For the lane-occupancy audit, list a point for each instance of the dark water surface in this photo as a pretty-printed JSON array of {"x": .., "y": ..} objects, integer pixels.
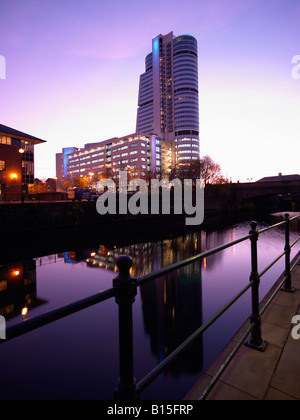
[{"x": 77, "y": 357}]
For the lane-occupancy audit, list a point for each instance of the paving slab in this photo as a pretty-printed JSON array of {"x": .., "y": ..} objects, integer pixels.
[
  {"x": 287, "y": 374},
  {"x": 253, "y": 375}
]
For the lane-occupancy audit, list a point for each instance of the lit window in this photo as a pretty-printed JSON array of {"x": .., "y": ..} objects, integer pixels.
[{"x": 5, "y": 140}]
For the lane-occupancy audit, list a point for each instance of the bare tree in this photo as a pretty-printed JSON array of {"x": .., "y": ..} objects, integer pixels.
[
  {"x": 210, "y": 171},
  {"x": 204, "y": 168}
]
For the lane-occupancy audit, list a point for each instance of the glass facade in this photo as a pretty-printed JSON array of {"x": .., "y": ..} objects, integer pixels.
[
  {"x": 186, "y": 99},
  {"x": 27, "y": 162},
  {"x": 145, "y": 101},
  {"x": 168, "y": 102}
]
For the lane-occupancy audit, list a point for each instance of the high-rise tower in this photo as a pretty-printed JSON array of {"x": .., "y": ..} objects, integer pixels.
[{"x": 168, "y": 102}]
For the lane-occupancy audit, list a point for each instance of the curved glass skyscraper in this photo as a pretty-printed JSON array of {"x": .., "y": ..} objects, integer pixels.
[{"x": 168, "y": 103}]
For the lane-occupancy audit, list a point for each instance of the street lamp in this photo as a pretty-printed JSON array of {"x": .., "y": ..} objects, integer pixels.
[{"x": 21, "y": 151}]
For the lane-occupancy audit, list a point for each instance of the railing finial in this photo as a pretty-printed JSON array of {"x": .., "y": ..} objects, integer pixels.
[
  {"x": 124, "y": 264},
  {"x": 253, "y": 224}
]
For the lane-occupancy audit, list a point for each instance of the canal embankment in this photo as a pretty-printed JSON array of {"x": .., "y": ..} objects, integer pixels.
[
  {"x": 226, "y": 201},
  {"x": 220, "y": 202},
  {"x": 38, "y": 228},
  {"x": 35, "y": 226}
]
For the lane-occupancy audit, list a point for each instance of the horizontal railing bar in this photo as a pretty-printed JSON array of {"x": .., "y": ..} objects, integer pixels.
[
  {"x": 271, "y": 265},
  {"x": 237, "y": 347},
  {"x": 278, "y": 224},
  {"x": 188, "y": 342},
  {"x": 295, "y": 263},
  {"x": 188, "y": 261},
  {"x": 61, "y": 312},
  {"x": 294, "y": 243},
  {"x": 271, "y": 227},
  {"x": 56, "y": 314},
  {"x": 205, "y": 254},
  {"x": 242, "y": 340},
  {"x": 29, "y": 325}
]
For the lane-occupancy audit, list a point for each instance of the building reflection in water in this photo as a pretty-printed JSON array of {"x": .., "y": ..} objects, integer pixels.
[
  {"x": 171, "y": 305},
  {"x": 18, "y": 289}
]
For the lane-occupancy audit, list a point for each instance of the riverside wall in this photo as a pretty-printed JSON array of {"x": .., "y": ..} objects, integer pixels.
[
  {"x": 40, "y": 228},
  {"x": 220, "y": 201}
]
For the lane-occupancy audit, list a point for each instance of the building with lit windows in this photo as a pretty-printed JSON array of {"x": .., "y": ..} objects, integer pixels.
[
  {"x": 16, "y": 162},
  {"x": 139, "y": 154},
  {"x": 168, "y": 101},
  {"x": 62, "y": 164},
  {"x": 167, "y": 126}
]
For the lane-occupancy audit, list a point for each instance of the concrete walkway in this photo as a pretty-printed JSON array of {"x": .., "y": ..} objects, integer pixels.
[{"x": 253, "y": 375}]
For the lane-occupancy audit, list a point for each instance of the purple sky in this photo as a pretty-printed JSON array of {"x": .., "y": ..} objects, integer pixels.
[{"x": 72, "y": 74}]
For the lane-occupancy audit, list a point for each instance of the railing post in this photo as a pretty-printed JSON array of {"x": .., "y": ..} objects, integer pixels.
[
  {"x": 126, "y": 290},
  {"x": 287, "y": 287},
  {"x": 255, "y": 340}
]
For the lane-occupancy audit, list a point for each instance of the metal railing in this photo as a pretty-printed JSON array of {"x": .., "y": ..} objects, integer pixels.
[{"x": 124, "y": 291}]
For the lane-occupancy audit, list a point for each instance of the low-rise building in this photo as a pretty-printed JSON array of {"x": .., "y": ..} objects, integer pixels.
[
  {"x": 16, "y": 162},
  {"x": 280, "y": 178},
  {"x": 141, "y": 155}
]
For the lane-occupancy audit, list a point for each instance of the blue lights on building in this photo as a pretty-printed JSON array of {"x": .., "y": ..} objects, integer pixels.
[
  {"x": 66, "y": 151},
  {"x": 156, "y": 45}
]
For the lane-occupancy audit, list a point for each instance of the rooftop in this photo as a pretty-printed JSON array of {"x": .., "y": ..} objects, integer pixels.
[
  {"x": 19, "y": 134},
  {"x": 280, "y": 177}
]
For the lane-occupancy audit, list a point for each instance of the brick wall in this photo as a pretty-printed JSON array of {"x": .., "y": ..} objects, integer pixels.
[{"x": 11, "y": 188}]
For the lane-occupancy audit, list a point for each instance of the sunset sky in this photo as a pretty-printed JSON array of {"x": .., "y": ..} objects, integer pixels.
[{"x": 73, "y": 67}]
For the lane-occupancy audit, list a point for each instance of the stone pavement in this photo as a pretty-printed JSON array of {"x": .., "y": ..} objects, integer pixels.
[{"x": 253, "y": 375}]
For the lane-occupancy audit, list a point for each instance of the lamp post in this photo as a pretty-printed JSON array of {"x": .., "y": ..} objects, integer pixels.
[{"x": 22, "y": 151}]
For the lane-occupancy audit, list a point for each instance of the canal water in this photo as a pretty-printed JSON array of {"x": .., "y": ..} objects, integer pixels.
[{"x": 77, "y": 357}]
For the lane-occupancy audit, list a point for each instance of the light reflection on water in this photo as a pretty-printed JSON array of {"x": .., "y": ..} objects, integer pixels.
[{"x": 77, "y": 358}]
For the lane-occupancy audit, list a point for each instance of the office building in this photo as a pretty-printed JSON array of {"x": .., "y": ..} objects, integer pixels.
[
  {"x": 62, "y": 164},
  {"x": 167, "y": 126},
  {"x": 168, "y": 102},
  {"x": 16, "y": 162},
  {"x": 138, "y": 154}
]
